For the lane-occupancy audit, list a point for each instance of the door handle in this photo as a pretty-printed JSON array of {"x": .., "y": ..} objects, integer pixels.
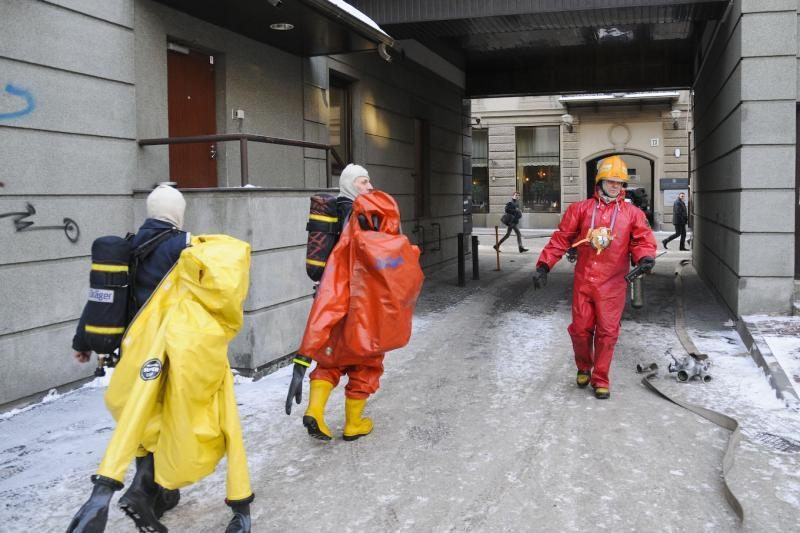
[{"x": 212, "y": 151}]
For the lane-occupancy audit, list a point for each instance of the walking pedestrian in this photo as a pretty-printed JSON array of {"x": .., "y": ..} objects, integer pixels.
[
  {"x": 680, "y": 218},
  {"x": 511, "y": 219},
  {"x": 340, "y": 335},
  {"x": 353, "y": 182},
  {"x": 166, "y": 207},
  {"x": 172, "y": 391},
  {"x": 615, "y": 233}
]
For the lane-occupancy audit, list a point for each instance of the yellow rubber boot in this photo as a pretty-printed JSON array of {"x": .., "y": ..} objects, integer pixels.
[
  {"x": 355, "y": 426},
  {"x": 314, "y": 417}
]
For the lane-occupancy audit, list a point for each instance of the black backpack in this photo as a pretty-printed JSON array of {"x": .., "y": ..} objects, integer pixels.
[
  {"x": 323, "y": 229},
  {"x": 112, "y": 303}
]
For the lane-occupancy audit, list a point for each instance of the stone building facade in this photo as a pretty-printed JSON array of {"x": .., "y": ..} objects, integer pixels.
[
  {"x": 547, "y": 147},
  {"x": 76, "y": 101}
]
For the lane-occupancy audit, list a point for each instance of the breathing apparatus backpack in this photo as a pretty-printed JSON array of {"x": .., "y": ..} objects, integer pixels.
[
  {"x": 323, "y": 232},
  {"x": 112, "y": 292}
]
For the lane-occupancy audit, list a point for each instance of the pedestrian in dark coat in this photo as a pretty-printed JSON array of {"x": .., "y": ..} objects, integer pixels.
[
  {"x": 511, "y": 219},
  {"x": 680, "y": 217}
]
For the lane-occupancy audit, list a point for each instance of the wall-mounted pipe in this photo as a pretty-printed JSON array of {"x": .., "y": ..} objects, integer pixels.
[
  {"x": 438, "y": 236},
  {"x": 419, "y": 232}
]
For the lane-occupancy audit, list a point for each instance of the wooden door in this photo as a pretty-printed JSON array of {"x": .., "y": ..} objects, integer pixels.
[{"x": 192, "y": 111}]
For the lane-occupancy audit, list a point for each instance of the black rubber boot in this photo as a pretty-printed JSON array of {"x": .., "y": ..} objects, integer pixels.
[
  {"x": 167, "y": 499},
  {"x": 240, "y": 523},
  {"x": 139, "y": 500},
  {"x": 93, "y": 515}
]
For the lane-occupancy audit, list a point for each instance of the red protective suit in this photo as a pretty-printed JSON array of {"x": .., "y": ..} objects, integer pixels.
[
  {"x": 599, "y": 289},
  {"x": 366, "y": 298}
]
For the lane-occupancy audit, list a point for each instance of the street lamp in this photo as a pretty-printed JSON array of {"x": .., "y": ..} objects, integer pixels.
[
  {"x": 675, "y": 114},
  {"x": 567, "y": 120}
]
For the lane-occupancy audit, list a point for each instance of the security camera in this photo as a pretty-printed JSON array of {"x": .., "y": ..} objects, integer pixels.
[
  {"x": 478, "y": 121},
  {"x": 383, "y": 51}
]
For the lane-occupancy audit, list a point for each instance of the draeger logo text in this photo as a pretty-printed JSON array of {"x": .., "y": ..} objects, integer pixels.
[{"x": 388, "y": 262}]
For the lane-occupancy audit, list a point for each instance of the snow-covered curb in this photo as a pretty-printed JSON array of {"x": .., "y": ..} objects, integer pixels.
[{"x": 760, "y": 351}]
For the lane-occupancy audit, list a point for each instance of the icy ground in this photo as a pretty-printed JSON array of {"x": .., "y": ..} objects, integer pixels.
[{"x": 478, "y": 427}]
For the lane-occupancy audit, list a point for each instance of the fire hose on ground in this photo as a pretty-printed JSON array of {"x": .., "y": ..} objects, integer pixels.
[{"x": 727, "y": 422}]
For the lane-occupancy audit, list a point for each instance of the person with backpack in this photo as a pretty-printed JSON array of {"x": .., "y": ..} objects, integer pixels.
[
  {"x": 172, "y": 394},
  {"x": 163, "y": 231},
  {"x": 362, "y": 309},
  {"x": 162, "y": 240},
  {"x": 511, "y": 219}
]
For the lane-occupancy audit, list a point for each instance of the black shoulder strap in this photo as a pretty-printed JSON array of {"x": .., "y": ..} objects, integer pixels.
[
  {"x": 344, "y": 222},
  {"x": 137, "y": 255},
  {"x": 147, "y": 247}
]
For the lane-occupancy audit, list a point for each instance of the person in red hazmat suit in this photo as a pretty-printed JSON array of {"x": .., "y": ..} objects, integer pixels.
[
  {"x": 362, "y": 309},
  {"x": 608, "y": 233},
  {"x": 172, "y": 392}
]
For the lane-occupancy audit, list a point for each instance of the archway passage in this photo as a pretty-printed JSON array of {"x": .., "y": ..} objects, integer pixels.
[
  {"x": 743, "y": 143},
  {"x": 642, "y": 178}
]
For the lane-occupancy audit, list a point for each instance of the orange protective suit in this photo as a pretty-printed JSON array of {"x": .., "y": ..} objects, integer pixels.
[
  {"x": 599, "y": 289},
  {"x": 366, "y": 298}
]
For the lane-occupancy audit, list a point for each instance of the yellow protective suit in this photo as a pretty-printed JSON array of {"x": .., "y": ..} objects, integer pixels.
[{"x": 172, "y": 391}]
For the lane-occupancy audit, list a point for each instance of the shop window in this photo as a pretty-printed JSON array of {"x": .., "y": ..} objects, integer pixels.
[
  {"x": 538, "y": 168},
  {"x": 480, "y": 171},
  {"x": 340, "y": 122}
]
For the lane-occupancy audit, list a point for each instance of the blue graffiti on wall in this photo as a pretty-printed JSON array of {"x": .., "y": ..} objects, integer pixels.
[
  {"x": 30, "y": 104},
  {"x": 70, "y": 227}
]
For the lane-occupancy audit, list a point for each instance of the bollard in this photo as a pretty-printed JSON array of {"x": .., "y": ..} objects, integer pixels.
[
  {"x": 496, "y": 247},
  {"x": 475, "y": 273},
  {"x": 461, "y": 280}
]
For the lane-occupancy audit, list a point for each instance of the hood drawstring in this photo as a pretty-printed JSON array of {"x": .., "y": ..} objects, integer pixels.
[{"x": 613, "y": 216}]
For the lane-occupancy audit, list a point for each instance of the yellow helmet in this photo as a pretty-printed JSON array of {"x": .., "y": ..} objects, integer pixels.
[{"x": 612, "y": 168}]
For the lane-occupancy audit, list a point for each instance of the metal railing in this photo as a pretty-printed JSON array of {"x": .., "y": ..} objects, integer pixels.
[{"x": 243, "y": 139}]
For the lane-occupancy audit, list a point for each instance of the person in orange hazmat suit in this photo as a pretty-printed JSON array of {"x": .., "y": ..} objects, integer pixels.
[{"x": 363, "y": 309}]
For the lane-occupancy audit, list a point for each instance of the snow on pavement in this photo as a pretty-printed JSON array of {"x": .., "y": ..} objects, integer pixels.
[{"x": 478, "y": 427}]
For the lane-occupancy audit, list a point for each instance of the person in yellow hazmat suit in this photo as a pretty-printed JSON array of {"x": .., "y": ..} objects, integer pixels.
[
  {"x": 152, "y": 252},
  {"x": 172, "y": 391}
]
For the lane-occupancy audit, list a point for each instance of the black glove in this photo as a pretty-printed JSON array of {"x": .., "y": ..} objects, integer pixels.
[
  {"x": 540, "y": 277},
  {"x": 301, "y": 363},
  {"x": 647, "y": 263},
  {"x": 572, "y": 255}
]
